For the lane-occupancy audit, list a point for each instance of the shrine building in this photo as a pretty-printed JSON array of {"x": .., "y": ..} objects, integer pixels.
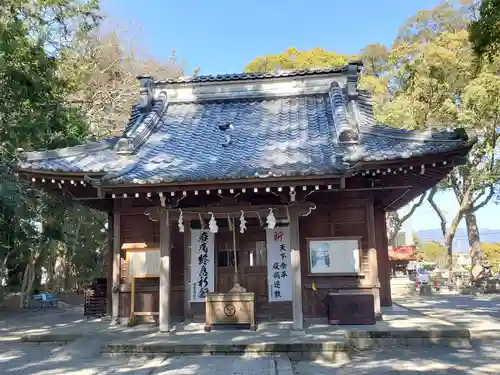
[{"x": 270, "y": 186}]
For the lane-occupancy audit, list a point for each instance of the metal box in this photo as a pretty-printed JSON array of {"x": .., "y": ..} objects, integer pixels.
[{"x": 230, "y": 310}]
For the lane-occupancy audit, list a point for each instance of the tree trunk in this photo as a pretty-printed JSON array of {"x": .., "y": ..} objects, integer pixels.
[
  {"x": 3, "y": 276},
  {"x": 449, "y": 234},
  {"x": 67, "y": 275},
  {"x": 29, "y": 287},
  {"x": 24, "y": 284},
  {"x": 474, "y": 240}
]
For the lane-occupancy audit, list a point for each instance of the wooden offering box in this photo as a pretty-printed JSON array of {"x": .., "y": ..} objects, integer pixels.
[
  {"x": 230, "y": 310},
  {"x": 352, "y": 309}
]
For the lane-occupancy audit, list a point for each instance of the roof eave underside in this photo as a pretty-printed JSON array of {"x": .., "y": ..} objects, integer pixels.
[{"x": 101, "y": 176}]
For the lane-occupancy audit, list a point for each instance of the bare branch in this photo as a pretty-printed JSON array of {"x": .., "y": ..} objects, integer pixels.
[
  {"x": 485, "y": 201},
  {"x": 413, "y": 208},
  {"x": 440, "y": 213}
]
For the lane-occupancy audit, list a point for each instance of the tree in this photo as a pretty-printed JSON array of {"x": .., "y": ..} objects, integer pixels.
[
  {"x": 104, "y": 70},
  {"x": 395, "y": 221},
  {"x": 491, "y": 252},
  {"x": 433, "y": 251},
  {"x": 485, "y": 30},
  {"x": 34, "y": 114},
  {"x": 440, "y": 83},
  {"x": 293, "y": 58}
]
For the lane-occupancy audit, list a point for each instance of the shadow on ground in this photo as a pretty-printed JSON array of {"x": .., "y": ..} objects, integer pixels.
[{"x": 474, "y": 361}]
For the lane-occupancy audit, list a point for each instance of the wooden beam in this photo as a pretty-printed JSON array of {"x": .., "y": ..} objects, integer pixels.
[
  {"x": 165, "y": 273},
  {"x": 298, "y": 318},
  {"x": 116, "y": 267},
  {"x": 187, "y": 270},
  {"x": 109, "y": 265},
  {"x": 232, "y": 183},
  {"x": 372, "y": 256},
  {"x": 231, "y": 211},
  {"x": 384, "y": 273}
]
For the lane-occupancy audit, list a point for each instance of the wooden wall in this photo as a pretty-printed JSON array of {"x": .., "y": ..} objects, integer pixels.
[
  {"x": 342, "y": 214},
  {"x": 347, "y": 214},
  {"x": 138, "y": 228}
]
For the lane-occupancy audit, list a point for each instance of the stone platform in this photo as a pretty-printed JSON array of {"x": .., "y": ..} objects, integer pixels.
[
  {"x": 331, "y": 345},
  {"x": 400, "y": 327}
]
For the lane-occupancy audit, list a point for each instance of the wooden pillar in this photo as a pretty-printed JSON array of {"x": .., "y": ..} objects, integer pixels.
[
  {"x": 384, "y": 268},
  {"x": 187, "y": 269},
  {"x": 372, "y": 257},
  {"x": 115, "y": 309},
  {"x": 298, "y": 319},
  {"x": 109, "y": 265},
  {"x": 165, "y": 287}
]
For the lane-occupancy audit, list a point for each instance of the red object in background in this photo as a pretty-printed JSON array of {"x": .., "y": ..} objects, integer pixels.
[
  {"x": 401, "y": 252},
  {"x": 404, "y": 249}
]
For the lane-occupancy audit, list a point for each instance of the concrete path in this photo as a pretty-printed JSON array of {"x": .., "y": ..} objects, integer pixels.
[
  {"x": 29, "y": 359},
  {"x": 476, "y": 361},
  {"x": 81, "y": 358},
  {"x": 479, "y": 314},
  {"x": 218, "y": 365},
  {"x": 34, "y": 359}
]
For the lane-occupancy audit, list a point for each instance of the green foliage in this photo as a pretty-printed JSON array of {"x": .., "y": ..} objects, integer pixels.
[
  {"x": 433, "y": 251},
  {"x": 485, "y": 31},
  {"x": 430, "y": 78},
  {"x": 35, "y": 114},
  {"x": 436, "y": 81},
  {"x": 293, "y": 58},
  {"x": 491, "y": 252}
]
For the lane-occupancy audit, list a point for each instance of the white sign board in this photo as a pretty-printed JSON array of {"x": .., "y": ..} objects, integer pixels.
[
  {"x": 331, "y": 256},
  {"x": 279, "y": 266},
  {"x": 144, "y": 263},
  {"x": 202, "y": 264}
]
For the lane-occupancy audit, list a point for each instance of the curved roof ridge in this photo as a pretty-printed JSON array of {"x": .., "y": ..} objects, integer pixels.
[
  {"x": 252, "y": 75},
  {"x": 148, "y": 124}
]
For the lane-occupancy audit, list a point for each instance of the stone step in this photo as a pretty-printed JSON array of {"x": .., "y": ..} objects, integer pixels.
[
  {"x": 331, "y": 351},
  {"x": 306, "y": 347}
]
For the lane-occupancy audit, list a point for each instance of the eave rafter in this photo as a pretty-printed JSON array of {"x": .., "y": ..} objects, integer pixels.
[{"x": 393, "y": 184}]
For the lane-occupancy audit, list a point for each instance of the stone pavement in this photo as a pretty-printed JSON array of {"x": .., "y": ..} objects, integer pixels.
[
  {"x": 475, "y": 361},
  {"x": 399, "y": 327},
  {"x": 35, "y": 359},
  {"x": 82, "y": 341},
  {"x": 479, "y": 314},
  {"x": 45, "y": 359}
]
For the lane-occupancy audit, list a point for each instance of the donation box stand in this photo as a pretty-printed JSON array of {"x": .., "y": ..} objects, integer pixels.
[{"x": 230, "y": 310}]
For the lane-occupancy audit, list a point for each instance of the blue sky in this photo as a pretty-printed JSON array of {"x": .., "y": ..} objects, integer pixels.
[{"x": 222, "y": 36}]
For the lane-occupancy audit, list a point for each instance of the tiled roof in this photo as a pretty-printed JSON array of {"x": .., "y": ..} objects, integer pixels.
[
  {"x": 254, "y": 76},
  {"x": 273, "y": 136}
]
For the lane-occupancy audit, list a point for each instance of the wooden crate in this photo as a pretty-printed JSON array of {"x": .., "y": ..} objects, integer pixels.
[{"x": 230, "y": 310}]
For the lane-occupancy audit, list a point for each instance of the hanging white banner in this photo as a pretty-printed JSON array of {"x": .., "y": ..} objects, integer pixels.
[
  {"x": 202, "y": 264},
  {"x": 279, "y": 264}
]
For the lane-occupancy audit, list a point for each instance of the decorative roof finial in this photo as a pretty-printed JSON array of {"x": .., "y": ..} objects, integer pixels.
[
  {"x": 353, "y": 69},
  {"x": 146, "y": 92}
]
